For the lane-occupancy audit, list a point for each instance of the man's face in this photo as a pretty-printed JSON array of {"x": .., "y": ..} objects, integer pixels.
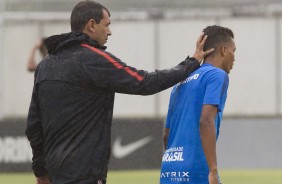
[
  {"x": 229, "y": 57},
  {"x": 102, "y": 30}
]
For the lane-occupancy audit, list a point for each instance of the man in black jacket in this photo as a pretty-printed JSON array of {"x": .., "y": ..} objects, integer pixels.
[{"x": 70, "y": 114}]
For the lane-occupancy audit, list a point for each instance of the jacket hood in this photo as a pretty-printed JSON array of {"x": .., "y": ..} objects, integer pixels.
[{"x": 58, "y": 42}]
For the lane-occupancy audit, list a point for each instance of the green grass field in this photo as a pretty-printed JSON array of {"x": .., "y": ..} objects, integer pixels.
[{"x": 152, "y": 177}]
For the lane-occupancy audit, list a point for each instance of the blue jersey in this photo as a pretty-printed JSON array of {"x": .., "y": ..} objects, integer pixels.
[{"x": 184, "y": 159}]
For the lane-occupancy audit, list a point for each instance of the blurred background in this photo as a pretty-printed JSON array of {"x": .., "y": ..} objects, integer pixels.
[{"x": 156, "y": 34}]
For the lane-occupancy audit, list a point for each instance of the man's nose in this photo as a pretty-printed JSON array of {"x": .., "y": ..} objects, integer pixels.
[{"x": 109, "y": 32}]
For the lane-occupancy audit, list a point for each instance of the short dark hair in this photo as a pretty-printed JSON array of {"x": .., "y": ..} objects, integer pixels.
[
  {"x": 217, "y": 36},
  {"x": 83, "y": 12}
]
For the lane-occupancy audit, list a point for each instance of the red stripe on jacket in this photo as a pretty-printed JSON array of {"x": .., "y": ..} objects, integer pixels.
[{"x": 114, "y": 62}]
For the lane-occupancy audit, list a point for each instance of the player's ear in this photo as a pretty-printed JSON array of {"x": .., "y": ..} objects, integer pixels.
[{"x": 223, "y": 50}]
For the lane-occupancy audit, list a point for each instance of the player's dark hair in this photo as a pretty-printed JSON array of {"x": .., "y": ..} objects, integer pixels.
[
  {"x": 83, "y": 12},
  {"x": 217, "y": 36}
]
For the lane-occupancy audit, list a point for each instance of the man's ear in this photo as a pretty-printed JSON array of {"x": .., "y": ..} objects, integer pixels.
[{"x": 90, "y": 26}]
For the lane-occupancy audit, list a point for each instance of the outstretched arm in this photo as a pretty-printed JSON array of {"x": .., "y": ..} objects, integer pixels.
[{"x": 122, "y": 78}]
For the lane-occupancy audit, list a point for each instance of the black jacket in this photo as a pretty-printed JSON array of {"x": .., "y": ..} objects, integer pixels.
[{"x": 70, "y": 114}]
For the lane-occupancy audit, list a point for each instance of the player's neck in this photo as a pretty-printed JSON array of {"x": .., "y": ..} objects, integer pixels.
[{"x": 214, "y": 60}]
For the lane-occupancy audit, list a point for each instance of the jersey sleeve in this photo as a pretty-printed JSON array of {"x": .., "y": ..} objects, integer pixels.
[{"x": 216, "y": 89}]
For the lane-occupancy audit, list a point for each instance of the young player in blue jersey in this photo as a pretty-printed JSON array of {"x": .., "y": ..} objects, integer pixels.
[{"x": 194, "y": 115}]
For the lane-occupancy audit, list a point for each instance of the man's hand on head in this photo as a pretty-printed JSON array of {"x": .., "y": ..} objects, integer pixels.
[{"x": 200, "y": 53}]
